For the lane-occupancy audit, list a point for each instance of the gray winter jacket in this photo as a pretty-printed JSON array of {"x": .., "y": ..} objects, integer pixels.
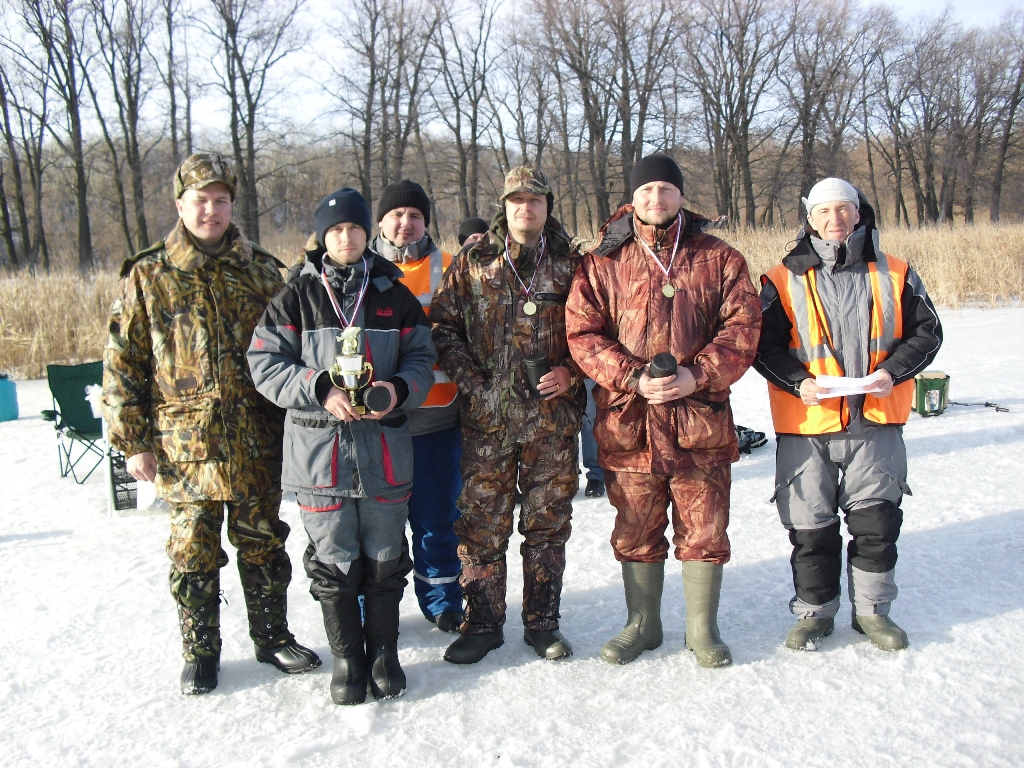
[{"x": 296, "y": 342}]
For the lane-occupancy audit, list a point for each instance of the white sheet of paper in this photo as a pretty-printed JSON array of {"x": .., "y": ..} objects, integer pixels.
[{"x": 844, "y": 386}]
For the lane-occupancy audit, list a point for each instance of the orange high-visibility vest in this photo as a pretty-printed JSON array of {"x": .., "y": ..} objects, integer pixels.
[
  {"x": 811, "y": 343},
  {"x": 422, "y": 278}
]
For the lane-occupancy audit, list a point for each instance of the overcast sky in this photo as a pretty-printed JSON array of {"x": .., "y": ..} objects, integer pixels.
[{"x": 982, "y": 12}]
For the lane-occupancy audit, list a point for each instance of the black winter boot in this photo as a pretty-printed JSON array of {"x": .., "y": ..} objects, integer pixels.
[
  {"x": 338, "y": 595},
  {"x": 197, "y": 596},
  {"x": 266, "y": 599},
  {"x": 383, "y": 585},
  {"x": 469, "y": 649}
]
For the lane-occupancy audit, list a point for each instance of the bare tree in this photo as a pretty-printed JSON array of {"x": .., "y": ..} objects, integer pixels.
[
  {"x": 645, "y": 35},
  {"x": 51, "y": 48},
  {"x": 576, "y": 37},
  {"x": 253, "y": 37},
  {"x": 121, "y": 28},
  {"x": 733, "y": 51},
  {"x": 464, "y": 65},
  {"x": 1011, "y": 51},
  {"x": 18, "y": 253}
]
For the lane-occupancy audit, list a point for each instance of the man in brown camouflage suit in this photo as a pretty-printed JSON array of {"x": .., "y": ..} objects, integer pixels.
[
  {"x": 657, "y": 284},
  {"x": 502, "y": 301},
  {"x": 181, "y": 404}
]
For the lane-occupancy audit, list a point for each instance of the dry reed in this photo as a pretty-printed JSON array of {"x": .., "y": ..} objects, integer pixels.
[
  {"x": 983, "y": 263},
  {"x": 62, "y": 318}
]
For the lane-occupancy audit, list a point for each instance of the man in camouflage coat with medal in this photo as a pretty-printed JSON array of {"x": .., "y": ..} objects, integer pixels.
[
  {"x": 656, "y": 284},
  {"x": 181, "y": 404},
  {"x": 502, "y": 301}
]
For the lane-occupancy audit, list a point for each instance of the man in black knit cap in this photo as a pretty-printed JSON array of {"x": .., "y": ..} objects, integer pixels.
[
  {"x": 664, "y": 318},
  {"x": 471, "y": 226},
  {"x": 403, "y": 215}
]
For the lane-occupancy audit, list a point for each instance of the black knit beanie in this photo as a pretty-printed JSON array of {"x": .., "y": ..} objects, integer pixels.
[
  {"x": 474, "y": 226},
  {"x": 656, "y": 168},
  {"x": 345, "y": 204},
  {"x": 404, "y": 194}
]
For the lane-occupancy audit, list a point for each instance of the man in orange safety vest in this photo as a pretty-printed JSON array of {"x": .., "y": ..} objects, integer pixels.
[
  {"x": 838, "y": 306},
  {"x": 403, "y": 215}
]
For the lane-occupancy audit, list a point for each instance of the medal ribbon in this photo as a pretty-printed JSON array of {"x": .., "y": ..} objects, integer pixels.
[
  {"x": 675, "y": 248},
  {"x": 540, "y": 258},
  {"x": 346, "y": 323}
]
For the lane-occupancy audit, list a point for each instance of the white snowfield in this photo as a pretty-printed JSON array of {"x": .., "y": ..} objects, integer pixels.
[{"x": 91, "y": 653}]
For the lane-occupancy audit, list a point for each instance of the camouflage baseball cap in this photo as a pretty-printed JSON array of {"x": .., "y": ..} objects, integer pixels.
[
  {"x": 203, "y": 169},
  {"x": 525, "y": 179}
]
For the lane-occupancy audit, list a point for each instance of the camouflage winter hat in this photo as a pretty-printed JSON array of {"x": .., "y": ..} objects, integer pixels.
[
  {"x": 525, "y": 179},
  {"x": 201, "y": 170}
]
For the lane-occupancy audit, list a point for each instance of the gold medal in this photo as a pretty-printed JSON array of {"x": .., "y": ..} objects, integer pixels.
[
  {"x": 530, "y": 308},
  {"x": 669, "y": 291}
]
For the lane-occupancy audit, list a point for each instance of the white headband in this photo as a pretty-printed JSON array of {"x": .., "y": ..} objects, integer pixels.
[{"x": 830, "y": 191}]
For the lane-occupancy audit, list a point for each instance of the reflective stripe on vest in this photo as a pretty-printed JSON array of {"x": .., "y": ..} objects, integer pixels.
[
  {"x": 811, "y": 343},
  {"x": 422, "y": 278}
]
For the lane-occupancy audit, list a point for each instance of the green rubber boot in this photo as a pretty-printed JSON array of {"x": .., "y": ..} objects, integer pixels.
[
  {"x": 643, "y": 583},
  {"x": 702, "y": 586},
  {"x": 807, "y": 632},
  {"x": 881, "y": 631}
]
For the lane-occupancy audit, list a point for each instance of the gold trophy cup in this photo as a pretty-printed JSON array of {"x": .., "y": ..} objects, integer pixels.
[{"x": 350, "y": 367}]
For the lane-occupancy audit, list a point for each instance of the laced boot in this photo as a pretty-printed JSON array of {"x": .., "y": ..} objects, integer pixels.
[
  {"x": 549, "y": 644},
  {"x": 881, "y": 631},
  {"x": 197, "y": 596},
  {"x": 702, "y": 586},
  {"x": 483, "y": 587},
  {"x": 265, "y": 588},
  {"x": 643, "y": 583},
  {"x": 808, "y": 631},
  {"x": 543, "y": 568}
]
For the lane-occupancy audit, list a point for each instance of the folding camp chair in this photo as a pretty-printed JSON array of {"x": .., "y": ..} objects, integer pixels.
[{"x": 79, "y": 433}]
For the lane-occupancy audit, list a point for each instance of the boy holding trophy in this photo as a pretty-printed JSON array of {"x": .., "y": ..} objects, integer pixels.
[{"x": 346, "y": 349}]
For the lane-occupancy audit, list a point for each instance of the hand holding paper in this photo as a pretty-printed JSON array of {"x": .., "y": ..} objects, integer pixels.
[{"x": 879, "y": 382}]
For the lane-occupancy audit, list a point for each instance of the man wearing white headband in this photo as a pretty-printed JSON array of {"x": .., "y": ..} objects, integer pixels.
[{"x": 838, "y": 306}]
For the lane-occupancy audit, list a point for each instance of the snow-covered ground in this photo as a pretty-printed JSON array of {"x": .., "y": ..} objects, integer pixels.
[{"x": 90, "y": 659}]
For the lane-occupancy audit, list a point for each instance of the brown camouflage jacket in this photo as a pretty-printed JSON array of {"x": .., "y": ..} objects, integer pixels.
[
  {"x": 618, "y": 319},
  {"x": 482, "y": 334},
  {"x": 175, "y": 377}
]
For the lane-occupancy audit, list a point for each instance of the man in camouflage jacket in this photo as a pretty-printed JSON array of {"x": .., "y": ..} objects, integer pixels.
[
  {"x": 502, "y": 301},
  {"x": 657, "y": 284},
  {"x": 181, "y": 404}
]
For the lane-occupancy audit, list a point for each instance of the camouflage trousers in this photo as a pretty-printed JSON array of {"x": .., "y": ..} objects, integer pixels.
[
  {"x": 546, "y": 471},
  {"x": 194, "y": 547},
  {"x": 700, "y": 514},
  {"x": 255, "y": 529}
]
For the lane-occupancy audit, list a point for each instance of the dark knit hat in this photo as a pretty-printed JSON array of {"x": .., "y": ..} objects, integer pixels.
[
  {"x": 656, "y": 168},
  {"x": 345, "y": 204},
  {"x": 404, "y": 194},
  {"x": 474, "y": 226}
]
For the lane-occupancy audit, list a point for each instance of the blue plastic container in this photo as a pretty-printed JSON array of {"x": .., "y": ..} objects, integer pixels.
[{"x": 8, "y": 400}]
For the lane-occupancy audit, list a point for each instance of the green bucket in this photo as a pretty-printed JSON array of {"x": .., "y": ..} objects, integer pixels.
[{"x": 931, "y": 393}]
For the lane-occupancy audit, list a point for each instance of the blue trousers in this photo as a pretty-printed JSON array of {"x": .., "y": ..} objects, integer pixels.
[
  {"x": 594, "y": 471},
  {"x": 436, "y": 484}
]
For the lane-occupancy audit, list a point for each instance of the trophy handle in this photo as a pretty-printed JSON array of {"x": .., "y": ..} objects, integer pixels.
[
  {"x": 335, "y": 370},
  {"x": 368, "y": 369}
]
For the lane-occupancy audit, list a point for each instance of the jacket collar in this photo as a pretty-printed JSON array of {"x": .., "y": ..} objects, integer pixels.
[
  {"x": 409, "y": 254},
  {"x": 619, "y": 228},
  {"x": 383, "y": 274},
  {"x": 184, "y": 254},
  {"x": 493, "y": 245},
  {"x": 804, "y": 256}
]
